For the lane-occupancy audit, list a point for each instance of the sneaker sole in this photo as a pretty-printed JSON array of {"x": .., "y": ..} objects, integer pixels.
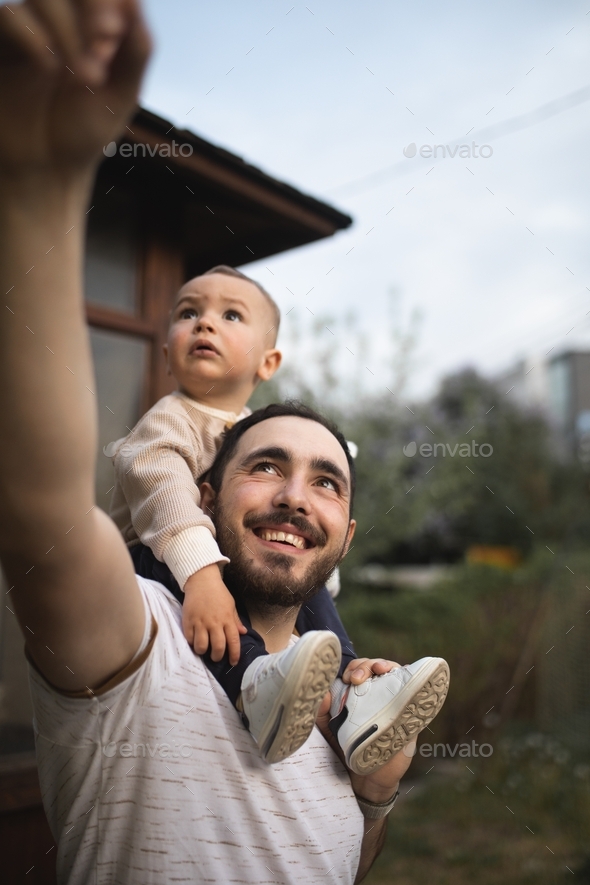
[
  {"x": 295, "y": 710},
  {"x": 411, "y": 710}
]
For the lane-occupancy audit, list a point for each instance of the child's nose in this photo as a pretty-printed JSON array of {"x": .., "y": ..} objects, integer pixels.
[{"x": 205, "y": 324}]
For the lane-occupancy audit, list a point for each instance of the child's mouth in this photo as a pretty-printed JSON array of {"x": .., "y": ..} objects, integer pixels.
[{"x": 203, "y": 347}]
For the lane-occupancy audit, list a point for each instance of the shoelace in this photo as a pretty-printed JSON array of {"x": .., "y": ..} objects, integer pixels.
[{"x": 265, "y": 668}]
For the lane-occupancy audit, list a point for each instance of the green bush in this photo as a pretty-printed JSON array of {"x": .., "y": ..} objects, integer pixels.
[{"x": 478, "y": 620}]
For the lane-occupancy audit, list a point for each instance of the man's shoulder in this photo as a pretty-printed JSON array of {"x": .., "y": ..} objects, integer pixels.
[
  {"x": 163, "y": 624},
  {"x": 163, "y": 654},
  {"x": 171, "y": 654},
  {"x": 165, "y": 610}
]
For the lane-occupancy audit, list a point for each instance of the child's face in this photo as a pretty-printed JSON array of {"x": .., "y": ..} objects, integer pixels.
[{"x": 220, "y": 341}]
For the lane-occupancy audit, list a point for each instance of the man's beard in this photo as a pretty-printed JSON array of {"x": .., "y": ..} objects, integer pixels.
[{"x": 272, "y": 585}]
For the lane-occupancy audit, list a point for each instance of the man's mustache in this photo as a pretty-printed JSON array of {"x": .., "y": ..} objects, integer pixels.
[{"x": 317, "y": 536}]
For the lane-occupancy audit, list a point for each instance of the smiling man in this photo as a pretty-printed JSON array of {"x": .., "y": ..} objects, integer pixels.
[
  {"x": 283, "y": 512},
  {"x": 155, "y": 759},
  {"x": 146, "y": 772}
]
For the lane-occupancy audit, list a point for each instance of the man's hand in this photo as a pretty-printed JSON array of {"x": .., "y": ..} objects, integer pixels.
[
  {"x": 69, "y": 75},
  {"x": 382, "y": 784},
  {"x": 209, "y": 616},
  {"x": 362, "y": 669},
  {"x": 379, "y": 787}
]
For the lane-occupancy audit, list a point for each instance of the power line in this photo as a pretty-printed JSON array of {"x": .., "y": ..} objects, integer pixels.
[{"x": 498, "y": 130}]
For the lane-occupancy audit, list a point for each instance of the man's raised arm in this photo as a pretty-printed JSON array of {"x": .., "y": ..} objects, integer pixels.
[{"x": 69, "y": 73}]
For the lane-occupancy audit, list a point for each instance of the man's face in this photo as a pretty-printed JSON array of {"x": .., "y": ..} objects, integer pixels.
[{"x": 282, "y": 514}]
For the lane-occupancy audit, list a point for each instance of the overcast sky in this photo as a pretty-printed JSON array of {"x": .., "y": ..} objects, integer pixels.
[{"x": 492, "y": 251}]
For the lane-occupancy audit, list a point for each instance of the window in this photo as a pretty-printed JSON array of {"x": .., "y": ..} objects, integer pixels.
[
  {"x": 120, "y": 363},
  {"x": 110, "y": 277},
  {"x": 120, "y": 338}
]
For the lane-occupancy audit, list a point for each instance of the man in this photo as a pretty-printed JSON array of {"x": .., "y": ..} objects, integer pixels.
[{"x": 112, "y": 677}]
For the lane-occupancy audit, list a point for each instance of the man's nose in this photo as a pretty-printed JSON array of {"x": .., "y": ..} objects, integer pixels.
[{"x": 293, "y": 496}]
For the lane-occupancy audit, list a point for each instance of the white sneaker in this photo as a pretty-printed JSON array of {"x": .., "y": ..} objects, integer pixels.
[
  {"x": 282, "y": 692},
  {"x": 375, "y": 720}
]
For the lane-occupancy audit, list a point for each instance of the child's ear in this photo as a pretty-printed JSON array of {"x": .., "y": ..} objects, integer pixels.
[
  {"x": 165, "y": 352},
  {"x": 269, "y": 364},
  {"x": 207, "y": 498}
]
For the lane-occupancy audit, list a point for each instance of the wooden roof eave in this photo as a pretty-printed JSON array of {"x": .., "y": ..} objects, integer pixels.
[{"x": 232, "y": 182}]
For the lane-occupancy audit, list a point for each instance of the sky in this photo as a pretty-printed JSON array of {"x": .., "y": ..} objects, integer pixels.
[{"x": 490, "y": 252}]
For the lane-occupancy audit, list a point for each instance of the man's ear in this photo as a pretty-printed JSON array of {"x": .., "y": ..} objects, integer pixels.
[
  {"x": 349, "y": 536},
  {"x": 270, "y": 362},
  {"x": 208, "y": 497}
]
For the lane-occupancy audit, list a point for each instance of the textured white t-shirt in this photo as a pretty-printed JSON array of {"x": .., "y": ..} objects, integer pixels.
[{"x": 156, "y": 781}]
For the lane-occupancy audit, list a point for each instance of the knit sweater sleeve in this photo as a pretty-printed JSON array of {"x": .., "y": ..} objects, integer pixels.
[{"x": 157, "y": 468}]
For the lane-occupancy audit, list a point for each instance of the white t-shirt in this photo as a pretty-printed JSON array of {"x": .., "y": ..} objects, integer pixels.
[{"x": 155, "y": 780}]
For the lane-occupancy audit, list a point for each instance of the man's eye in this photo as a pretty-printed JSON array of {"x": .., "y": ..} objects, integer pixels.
[
  {"x": 326, "y": 483},
  {"x": 233, "y": 316},
  {"x": 189, "y": 313},
  {"x": 265, "y": 467}
]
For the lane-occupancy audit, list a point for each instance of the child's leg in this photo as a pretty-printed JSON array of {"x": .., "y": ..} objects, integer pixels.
[
  {"x": 251, "y": 643},
  {"x": 375, "y": 720},
  {"x": 320, "y": 614}
]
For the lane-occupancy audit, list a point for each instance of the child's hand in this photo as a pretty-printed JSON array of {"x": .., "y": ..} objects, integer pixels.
[
  {"x": 360, "y": 670},
  {"x": 209, "y": 616}
]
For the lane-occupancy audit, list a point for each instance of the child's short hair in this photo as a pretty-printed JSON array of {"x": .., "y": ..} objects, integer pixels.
[{"x": 232, "y": 272}]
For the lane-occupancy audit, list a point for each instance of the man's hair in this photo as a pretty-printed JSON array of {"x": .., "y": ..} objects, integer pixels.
[
  {"x": 290, "y": 408},
  {"x": 232, "y": 272}
]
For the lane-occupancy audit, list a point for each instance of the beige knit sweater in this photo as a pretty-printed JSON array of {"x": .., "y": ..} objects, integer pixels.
[{"x": 157, "y": 466}]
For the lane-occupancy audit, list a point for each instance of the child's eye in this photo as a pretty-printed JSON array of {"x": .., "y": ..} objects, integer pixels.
[
  {"x": 189, "y": 313},
  {"x": 233, "y": 316}
]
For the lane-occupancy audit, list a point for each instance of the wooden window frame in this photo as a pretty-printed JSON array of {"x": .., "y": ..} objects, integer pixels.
[{"x": 160, "y": 271}]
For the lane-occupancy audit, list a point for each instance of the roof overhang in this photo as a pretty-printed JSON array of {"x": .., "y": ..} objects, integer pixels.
[{"x": 223, "y": 209}]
